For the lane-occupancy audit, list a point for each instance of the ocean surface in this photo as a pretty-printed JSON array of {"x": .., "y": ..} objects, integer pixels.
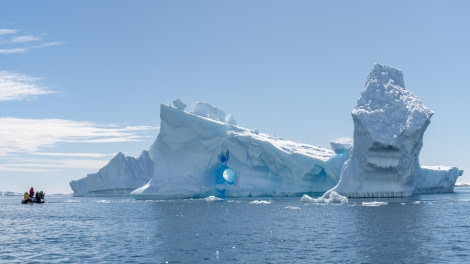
[{"x": 66, "y": 229}]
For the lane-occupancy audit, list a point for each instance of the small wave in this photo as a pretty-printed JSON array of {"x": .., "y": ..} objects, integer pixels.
[
  {"x": 212, "y": 198},
  {"x": 156, "y": 201},
  {"x": 260, "y": 202},
  {"x": 103, "y": 201},
  {"x": 292, "y": 208},
  {"x": 374, "y": 203},
  {"x": 72, "y": 201},
  {"x": 328, "y": 197}
]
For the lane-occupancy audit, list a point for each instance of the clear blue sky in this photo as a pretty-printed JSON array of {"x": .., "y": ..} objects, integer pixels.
[{"x": 83, "y": 80}]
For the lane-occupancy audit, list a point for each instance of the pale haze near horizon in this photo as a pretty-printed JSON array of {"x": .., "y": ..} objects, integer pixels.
[{"x": 83, "y": 80}]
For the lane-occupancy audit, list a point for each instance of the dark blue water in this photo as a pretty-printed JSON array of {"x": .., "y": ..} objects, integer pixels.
[{"x": 422, "y": 229}]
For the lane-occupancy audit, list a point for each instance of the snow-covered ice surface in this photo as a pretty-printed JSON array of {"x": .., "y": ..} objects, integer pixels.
[
  {"x": 389, "y": 123},
  {"x": 204, "y": 152},
  {"x": 120, "y": 176}
]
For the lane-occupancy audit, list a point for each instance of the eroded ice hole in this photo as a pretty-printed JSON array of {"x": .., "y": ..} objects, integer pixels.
[
  {"x": 229, "y": 176},
  {"x": 225, "y": 175},
  {"x": 383, "y": 156},
  {"x": 224, "y": 178}
]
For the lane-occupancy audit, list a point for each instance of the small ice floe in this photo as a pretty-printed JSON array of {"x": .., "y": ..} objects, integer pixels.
[
  {"x": 212, "y": 198},
  {"x": 103, "y": 201},
  {"x": 374, "y": 203},
  {"x": 156, "y": 201},
  {"x": 328, "y": 197},
  {"x": 292, "y": 208},
  {"x": 416, "y": 202},
  {"x": 260, "y": 202}
]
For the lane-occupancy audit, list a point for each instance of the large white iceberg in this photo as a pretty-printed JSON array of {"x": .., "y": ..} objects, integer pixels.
[
  {"x": 203, "y": 152},
  {"x": 120, "y": 176},
  {"x": 389, "y": 123}
]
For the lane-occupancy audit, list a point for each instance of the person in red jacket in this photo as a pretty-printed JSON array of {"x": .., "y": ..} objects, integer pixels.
[{"x": 31, "y": 192}]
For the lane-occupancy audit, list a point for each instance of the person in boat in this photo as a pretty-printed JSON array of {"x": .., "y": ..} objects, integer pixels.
[
  {"x": 26, "y": 197},
  {"x": 41, "y": 195},
  {"x": 36, "y": 197},
  {"x": 31, "y": 192}
]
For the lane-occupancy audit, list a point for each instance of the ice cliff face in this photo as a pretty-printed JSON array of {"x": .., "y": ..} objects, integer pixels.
[
  {"x": 389, "y": 123},
  {"x": 203, "y": 152},
  {"x": 120, "y": 176}
]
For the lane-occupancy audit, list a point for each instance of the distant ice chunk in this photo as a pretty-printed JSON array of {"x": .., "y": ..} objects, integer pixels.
[
  {"x": 260, "y": 202},
  {"x": 212, "y": 199},
  {"x": 328, "y": 197},
  {"x": 374, "y": 203},
  {"x": 119, "y": 177}
]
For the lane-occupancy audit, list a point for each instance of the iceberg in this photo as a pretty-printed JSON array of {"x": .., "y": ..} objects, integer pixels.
[
  {"x": 389, "y": 124},
  {"x": 203, "y": 152},
  {"x": 120, "y": 176}
]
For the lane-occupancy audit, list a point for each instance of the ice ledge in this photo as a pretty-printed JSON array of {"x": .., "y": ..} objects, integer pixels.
[
  {"x": 377, "y": 194},
  {"x": 437, "y": 179}
]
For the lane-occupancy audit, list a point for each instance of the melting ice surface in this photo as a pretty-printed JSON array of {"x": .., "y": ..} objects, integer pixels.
[{"x": 202, "y": 152}]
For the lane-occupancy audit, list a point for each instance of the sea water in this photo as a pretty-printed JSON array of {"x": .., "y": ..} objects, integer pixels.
[{"x": 66, "y": 229}]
